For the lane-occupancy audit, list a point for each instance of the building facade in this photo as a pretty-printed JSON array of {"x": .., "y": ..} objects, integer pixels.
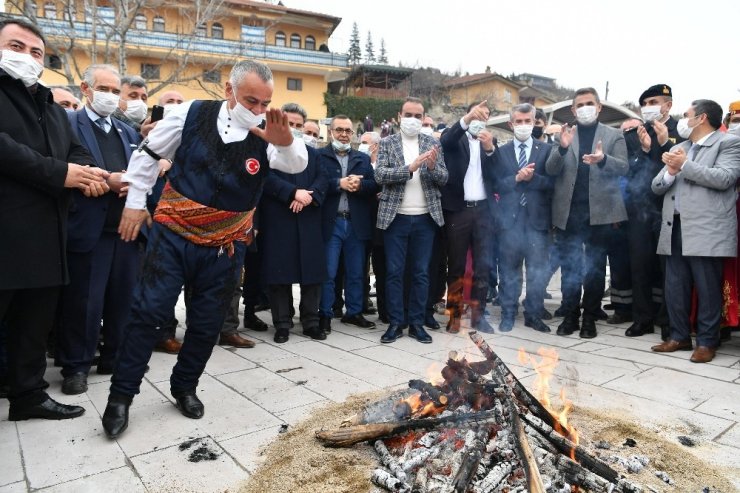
[{"x": 190, "y": 46}]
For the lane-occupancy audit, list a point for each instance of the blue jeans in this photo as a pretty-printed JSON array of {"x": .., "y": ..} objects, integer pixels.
[
  {"x": 408, "y": 237},
  {"x": 344, "y": 239}
]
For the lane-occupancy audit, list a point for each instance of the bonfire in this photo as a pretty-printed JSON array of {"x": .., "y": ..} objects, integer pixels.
[{"x": 471, "y": 433}]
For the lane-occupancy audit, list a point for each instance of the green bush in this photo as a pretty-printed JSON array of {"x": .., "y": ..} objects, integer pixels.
[{"x": 357, "y": 108}]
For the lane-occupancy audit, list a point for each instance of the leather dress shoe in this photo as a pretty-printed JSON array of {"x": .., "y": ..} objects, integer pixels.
[
  {"x": 432, "y": 323},
  {"x": 358, "y": 321},
  {"x": 325, "y": 324},
  {"x": 315, "y": 333},
  {"x": 482, "y": 325},
  {"x": 670, "y": 346},
  {"x": 703, "y": 354},
  {"x": 252, "y": 321},
  {"x": 115, "y": 417},
  {"x": 536, "y": 324},
  {"x": 619, "y": 318},
  {"x": 453, "y": 325},
  {"x": 568, "y": 326},
  {"x": 638, "y": 329},
  {"x": 75, "y": 384},
  {"x": 588, "y": 329},
  {"x": 417, "y": 332},
  {"x": 189, "y": 405},
  {"x": 506, "y": 325},
  {"x": 235, "y": 340},
  {"x": 281, "y": 336},
  {"x": 391, "y": 334},
  {"x": 169, "y": 346},
  {"x": 545, "y": 315},
  {"x": 48, "y": 409}
]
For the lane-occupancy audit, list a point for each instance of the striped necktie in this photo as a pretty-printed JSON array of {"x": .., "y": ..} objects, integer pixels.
[
  {"x": 522, "y": 163},
  {"x": 102, "y": 123}
]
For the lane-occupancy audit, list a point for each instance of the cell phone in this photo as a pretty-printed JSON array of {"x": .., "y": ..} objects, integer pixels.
[{"x": 157, "y": 113}]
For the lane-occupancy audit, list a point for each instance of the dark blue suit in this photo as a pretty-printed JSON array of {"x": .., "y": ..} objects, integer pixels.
[
  {"x": 102, "y": 267},
  {"x": 524, "y": 220},
  {"x": 468, "y": 224},
  {"x": 346, "y": 234}
]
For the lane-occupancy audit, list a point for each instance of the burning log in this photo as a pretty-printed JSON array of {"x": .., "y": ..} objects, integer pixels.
[
  {"x": 471, "y": 457},
  {"x": 494, "y": 477},
  {"x": 567, "y": 447},
  {"x": 389, "y": 461},
  {"x": 344, "y": 437},
  {"x": 419, "y": 457},
  {"x": 428, "y": 390},
  {"x": 428, "y": 439},
  {"x": 387, "y": 481},
  {"x": 420, "y": 482},
  {"x": 525, "y": 451}
]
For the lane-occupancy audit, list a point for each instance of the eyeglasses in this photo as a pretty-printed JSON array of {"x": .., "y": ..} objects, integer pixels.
[{"x": 340, "y": 131}]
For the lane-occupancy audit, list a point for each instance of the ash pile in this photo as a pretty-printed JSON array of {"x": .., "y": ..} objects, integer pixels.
[{"x": 478, "y": 431}]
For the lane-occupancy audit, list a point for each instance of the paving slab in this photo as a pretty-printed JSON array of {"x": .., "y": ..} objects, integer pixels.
[
  {"x": 11, "y": 465},
  {"x": 120, "y": 480},
  {"x": 272, "y": 392},
  {"x": 14, "y": 488}
]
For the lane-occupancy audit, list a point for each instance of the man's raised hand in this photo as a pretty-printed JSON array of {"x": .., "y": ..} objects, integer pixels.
[{"x": 276, "y": 131}]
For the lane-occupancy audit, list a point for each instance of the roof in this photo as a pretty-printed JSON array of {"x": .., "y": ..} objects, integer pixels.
[
  {"x": 527, "y": 74},
  {"x": 468, "y": 80},
  {"x": 383, "y": 69},
  {"x": 612, "y": 114},
  {"x": 263, "y": 5}
]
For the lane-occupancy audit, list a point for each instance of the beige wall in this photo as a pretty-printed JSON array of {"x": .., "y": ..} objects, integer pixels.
[{"x": 492, "y": 90}]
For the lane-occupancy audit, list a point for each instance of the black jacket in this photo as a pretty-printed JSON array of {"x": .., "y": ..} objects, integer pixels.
[{"x": 36, "y": 143}]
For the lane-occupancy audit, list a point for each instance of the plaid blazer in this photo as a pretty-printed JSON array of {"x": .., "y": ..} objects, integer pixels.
[{"x": 392, "y": 173}]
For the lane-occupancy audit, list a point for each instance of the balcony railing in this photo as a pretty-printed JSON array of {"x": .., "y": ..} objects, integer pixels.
[{"x": 193, "y": 43}]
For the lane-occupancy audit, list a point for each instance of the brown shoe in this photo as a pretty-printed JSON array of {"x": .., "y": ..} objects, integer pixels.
[
  {"x": 169, "y": 346},
  {"x": 670, "y": 345},
  {"x": 703, "y": 354},
  {"x": 235, "y": 340}
]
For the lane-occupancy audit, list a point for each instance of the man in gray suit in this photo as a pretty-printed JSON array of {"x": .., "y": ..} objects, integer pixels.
[
  {"x": 699, "y": 225},
  {"x": 411, "y": 170},
  {"x": 586, "y": 203}
]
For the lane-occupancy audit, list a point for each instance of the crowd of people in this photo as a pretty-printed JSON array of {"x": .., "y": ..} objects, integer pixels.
[{"x": 111, "y": 213}]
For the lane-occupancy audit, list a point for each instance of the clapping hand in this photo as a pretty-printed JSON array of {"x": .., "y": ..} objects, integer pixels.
[
  {"x": 645, "y": 140},
  {"x": 526, "y": 173},
  {"x": 566, "y": 135},
  {"x": 429, "y": 158},
  {"x": 674, "y": 160},
  {"x": 596, "y": 157}
]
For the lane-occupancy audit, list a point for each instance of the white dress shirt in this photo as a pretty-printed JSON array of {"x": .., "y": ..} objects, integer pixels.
[
  {"x": 94, "y": 117},
  {"x": 165, "y": 138},
  {"x": 527, "y": 149},
  {"x": 473, "y": 182}
]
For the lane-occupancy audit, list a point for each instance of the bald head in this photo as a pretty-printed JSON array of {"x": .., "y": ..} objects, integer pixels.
[
  {"x": 65, "y": 99},
  {"x": 170, "y": 97}
]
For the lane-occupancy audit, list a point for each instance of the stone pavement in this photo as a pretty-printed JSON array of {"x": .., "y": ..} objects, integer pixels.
[{"x": 250, "y": 393}]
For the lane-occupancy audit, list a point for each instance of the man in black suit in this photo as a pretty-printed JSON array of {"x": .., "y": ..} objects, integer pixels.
[
  {"x": 466, "y": 201},
  {"x": 102, "y": 267},
  {"x": 38, "y": 164},
  {"x": 524, "y": 191}
]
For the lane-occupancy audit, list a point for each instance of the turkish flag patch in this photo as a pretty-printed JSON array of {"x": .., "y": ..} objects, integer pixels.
[{"x": 252, "y": 166}]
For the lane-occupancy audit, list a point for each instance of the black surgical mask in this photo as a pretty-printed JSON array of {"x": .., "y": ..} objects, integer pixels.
[{"x": 537, "y": 132}]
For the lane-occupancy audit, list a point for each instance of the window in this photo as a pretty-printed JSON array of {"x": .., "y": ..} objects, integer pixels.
[
  {"x": 53, "y": 61},
  {"x": 295, "y": 41},
  {"x": 507, "y": 95},
  {"x": 310, "y": 43},
  {"x": 201, "y": 31},
  {"x": 158, "y": 24},
  {"x": 140, "y": 21},
  {"x": 295, "y": 84},
  {"x": 217, "y": 31},
  {"x": 50, "y": 10},
  {"x": 150, "y": 70},
  {"x": 212, "y": 76},
  {"x": 279, "y": 38}
]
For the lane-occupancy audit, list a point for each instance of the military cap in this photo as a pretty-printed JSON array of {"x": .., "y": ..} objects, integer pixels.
[{"x": 656, "y": 90}]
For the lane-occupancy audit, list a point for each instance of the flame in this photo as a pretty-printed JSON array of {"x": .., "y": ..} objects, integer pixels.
[
  {"x": 545, "y": 368},
  {"x": 421, "y": 409}
]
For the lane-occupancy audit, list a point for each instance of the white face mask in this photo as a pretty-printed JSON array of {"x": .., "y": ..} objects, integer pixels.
[
  {"x": 523, "y": 132},
  {"x": 364, "y": 148},
  {"x": 340, "y": 146},
  {"x": 244, "y": 117},
  {"x": 168, "y": 108},
  {"x": 136, "y": 110},
  {"x": 427, "y": 130},
  {"x": 475, "y": 127},
  {"x": 683, "y": 128},
  {"x": 21, "y": 66},
  {"x": 310, "y": 140},
  {"x": 651, "y": 113},
  {"x": 586, "y": 115},
  {"x": 734, "y": 127},
  {"x": 104, "y": 103},
  {"x": 410, "y": 126},
  {"x": 297, "y": 133}
]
